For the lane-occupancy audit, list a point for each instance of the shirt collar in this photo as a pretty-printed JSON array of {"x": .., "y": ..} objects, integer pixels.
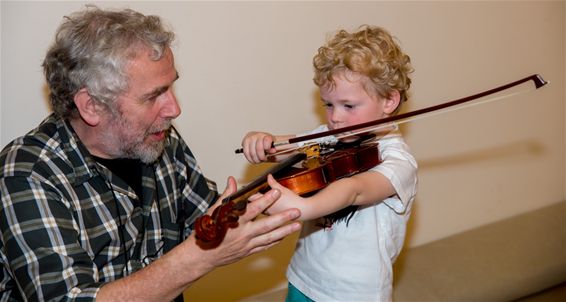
[{"x": 82, "y": 163}]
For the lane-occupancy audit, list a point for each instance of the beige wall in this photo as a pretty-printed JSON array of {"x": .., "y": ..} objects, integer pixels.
[{"x": 247, "y": 66}]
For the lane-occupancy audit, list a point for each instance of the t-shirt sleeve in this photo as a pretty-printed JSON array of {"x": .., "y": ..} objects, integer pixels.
[{"x": 400, "y": 167}]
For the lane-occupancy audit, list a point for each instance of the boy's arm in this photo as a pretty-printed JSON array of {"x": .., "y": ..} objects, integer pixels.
[{"x": 363, "y": 188}]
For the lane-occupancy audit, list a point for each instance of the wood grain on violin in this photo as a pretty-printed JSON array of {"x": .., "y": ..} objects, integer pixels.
[{"x": 311, "y": 175}]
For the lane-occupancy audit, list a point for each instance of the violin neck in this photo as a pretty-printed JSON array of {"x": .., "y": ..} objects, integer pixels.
[{"x": 260, "y": 182}]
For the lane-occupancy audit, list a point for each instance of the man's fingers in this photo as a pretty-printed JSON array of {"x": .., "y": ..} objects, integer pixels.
[
  {"x": 231, "y": 187},
  {"x": 256, "y": 205},
  {"x": 273, "y": 183},
  {"x": 275, "y": 228},
  {"x": 255, "y": 196}
]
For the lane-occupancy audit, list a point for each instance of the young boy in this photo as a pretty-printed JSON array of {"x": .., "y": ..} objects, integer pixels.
[{"x": 362, "y": 76}]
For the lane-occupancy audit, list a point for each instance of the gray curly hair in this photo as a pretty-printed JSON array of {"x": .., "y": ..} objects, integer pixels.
[{"x": 91, "y": 50}]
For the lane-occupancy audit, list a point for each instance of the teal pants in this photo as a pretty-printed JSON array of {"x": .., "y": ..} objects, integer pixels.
[{"x": 295, "y": 295}]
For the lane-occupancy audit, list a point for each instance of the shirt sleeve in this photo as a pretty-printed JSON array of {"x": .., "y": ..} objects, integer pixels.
[
  {"x": 400, "y": 167},
  {"x": 40, "y": 243}
]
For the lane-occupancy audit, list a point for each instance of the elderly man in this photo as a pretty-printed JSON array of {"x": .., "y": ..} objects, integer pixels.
[{"x": 98, "y": 201}]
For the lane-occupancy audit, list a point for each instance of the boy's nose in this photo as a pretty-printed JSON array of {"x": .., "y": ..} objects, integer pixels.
[{"x": 335, "y": 117}]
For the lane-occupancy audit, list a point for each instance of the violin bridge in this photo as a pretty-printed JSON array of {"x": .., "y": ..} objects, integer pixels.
[
  {"x": 313, "y": 155},
  {"x": 311, "y": 150}
]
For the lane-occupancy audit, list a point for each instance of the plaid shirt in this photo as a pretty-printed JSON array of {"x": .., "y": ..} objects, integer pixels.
[{"x": 67, "y": 220}]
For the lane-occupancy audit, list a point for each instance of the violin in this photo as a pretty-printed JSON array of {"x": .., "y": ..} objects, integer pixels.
[
  {"x": 211, "y": 229},
  {"x": 320, "y": 169}
]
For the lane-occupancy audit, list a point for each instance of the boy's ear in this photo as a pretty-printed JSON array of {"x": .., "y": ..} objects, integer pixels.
[
  {"x": 392, "y": 103},
  {"x": 88, "y": 108}
]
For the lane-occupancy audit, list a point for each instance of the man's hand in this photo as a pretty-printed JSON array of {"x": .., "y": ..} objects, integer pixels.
[
  {"x": 170, "y": 275},
  {"x": 253, "y": 235}
]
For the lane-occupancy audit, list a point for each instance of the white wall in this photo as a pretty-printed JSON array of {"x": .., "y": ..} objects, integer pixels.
[{"x": 247, "y": 66}]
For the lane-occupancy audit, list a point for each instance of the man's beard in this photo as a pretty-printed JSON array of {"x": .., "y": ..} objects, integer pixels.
[
  {"x": 146, "y": 152},
  {"x": 128, "y": 142}
]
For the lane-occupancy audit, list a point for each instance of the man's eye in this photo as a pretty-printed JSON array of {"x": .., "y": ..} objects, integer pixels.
[
  {"x": 156, "y": 94},
  {"x": 328, "y": 105},
  {"x": 151, "y": 98},
  {"x": 348, "y": 106}
]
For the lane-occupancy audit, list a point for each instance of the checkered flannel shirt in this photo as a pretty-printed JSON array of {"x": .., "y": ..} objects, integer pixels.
[{"x": 61, "y": 235}]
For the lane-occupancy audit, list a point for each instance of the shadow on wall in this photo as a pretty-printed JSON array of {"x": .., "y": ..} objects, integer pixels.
[{"x": 509, "y": 151}]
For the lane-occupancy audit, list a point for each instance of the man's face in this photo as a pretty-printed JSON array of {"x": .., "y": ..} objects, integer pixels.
[{"x": 144, "y": 112}]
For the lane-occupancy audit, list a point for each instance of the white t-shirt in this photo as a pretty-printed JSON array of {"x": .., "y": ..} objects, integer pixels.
[{"x": 353, "y": 261}]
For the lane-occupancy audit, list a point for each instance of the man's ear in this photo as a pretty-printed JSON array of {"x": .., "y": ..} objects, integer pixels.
[
  {"x": 392, "y": 103},
  {"x": 89, "y": 110}
]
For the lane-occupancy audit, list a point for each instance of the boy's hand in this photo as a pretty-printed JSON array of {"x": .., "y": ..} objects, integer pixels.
[
  {"x": 287, "y": 200},
  {"x": 257, "y": 145}
]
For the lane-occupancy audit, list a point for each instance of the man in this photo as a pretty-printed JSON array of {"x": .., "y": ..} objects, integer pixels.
[{"x": 99, "y": 200}]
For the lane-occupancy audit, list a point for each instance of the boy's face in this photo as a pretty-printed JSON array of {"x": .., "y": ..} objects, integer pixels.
[{"x": 347, "y": 103}]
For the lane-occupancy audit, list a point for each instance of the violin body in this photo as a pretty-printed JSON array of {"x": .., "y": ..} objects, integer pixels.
[
  {"x": 310, "y": 176},
  {"x": 328, "y": 168}
]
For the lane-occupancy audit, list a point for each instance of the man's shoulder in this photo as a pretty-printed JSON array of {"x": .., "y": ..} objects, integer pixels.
[{"x": 42, "y": 145}]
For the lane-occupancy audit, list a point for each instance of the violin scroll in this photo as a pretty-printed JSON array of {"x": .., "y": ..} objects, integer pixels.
[{"x": 211, "y": 229}]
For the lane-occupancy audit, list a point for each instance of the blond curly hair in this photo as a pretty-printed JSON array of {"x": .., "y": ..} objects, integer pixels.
[{"x": 371, "y": 52}]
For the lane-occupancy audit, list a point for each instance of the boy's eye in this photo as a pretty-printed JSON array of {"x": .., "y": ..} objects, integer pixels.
[{"x": 328, "y": 105}]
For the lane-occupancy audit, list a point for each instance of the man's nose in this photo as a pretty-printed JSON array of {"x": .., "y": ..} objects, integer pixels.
[{"x": 171, "y": 108}]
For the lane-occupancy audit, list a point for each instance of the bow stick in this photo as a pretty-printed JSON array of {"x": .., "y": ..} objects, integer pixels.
[{"x": 408, "y": 116}]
